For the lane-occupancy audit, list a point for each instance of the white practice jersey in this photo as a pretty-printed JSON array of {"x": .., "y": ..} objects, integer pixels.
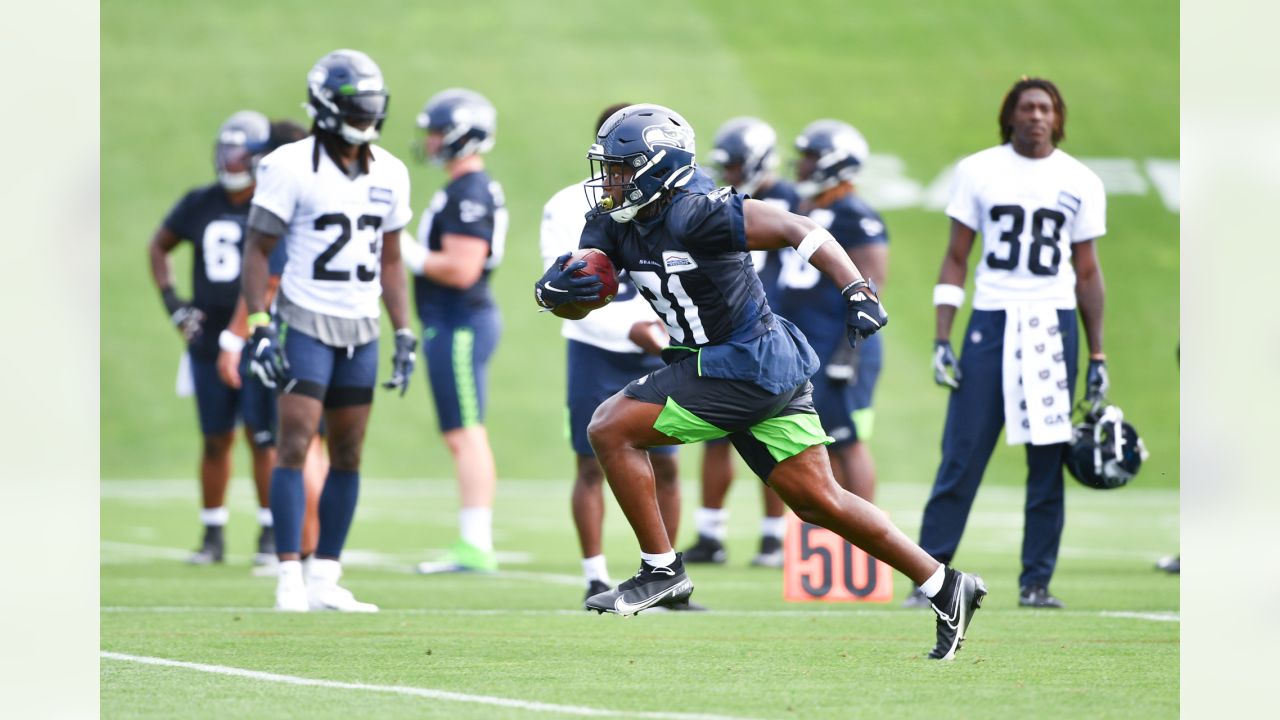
[
  {"x": 1029, "y": 213},
  {"x": 335, "y": 225},
  {"x": 607, "y": 328}
]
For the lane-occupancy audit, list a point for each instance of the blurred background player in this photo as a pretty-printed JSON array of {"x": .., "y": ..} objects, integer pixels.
[
  {"x": 1039, "y": 211},
  {"x": 339, "y": 203},
  {"x": 744, "y": 156},
  {"x": 212, "y": 218},
  {"x": 461, "y": 238},
  {"x": 606, "y": 350},
  {"x": 233, "y": 368},
  {"x": 831, "y": 155},
  {"x": 734, "y": 368}
]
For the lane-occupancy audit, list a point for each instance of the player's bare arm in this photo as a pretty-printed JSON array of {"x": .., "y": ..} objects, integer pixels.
[
  {"x": 460, "y": 262},
  {"x": 257, "y": 270},
  {"x": 770, "y": 228},
  {"x": 162, "y": 243},
  {"x": 395, "y": 294},
  {"x": 1090, "y": 294},
  {"x": 650, "y": 335},
  {"x": 955, "y": 265}
]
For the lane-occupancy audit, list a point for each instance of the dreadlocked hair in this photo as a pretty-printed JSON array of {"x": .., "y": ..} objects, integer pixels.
[
  {"x": 333, "y": 146},
  {"x": 1011, "y": 103}
]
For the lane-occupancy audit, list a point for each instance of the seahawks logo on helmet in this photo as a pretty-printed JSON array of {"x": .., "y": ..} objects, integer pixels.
[{"x": 668, "y": 136}]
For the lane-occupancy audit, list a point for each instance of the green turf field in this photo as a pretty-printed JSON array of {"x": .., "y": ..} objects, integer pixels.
[{"x": 922, "y": 81}]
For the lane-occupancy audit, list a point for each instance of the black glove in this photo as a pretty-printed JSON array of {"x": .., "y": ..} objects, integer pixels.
[
  {"x": 946, "y": 369},
  {"x": 184, "y": 316},
  {"x": 865, "y": 315},
  {"x": 558, "y": 285},
  {"x": 402, "y": 361},
  {"x": 842, "y": 367},
  {"x": 266, "y": 358},
  {"x": 1096, "y": 384}
]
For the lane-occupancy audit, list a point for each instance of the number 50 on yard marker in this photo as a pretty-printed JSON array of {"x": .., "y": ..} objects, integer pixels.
[{"x": 821, "y": 566}]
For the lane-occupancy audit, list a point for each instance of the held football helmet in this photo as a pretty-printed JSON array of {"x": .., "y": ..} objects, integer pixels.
[
  {"x": 748, "y": 142},
  {"x": 656, "y": 143},
  {"x": 468, "y": 121},
  {"x": 1105, "y": 451},
  {"x": 840, "y": 151},
  {"x": 242, "y": 140},
  {"x": 346, "y": 86}
]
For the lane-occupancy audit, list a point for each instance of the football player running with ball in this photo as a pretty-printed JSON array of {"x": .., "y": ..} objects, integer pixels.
[
  {"x": 734, "y": 368},
  {"x": 339, "y": 203}
]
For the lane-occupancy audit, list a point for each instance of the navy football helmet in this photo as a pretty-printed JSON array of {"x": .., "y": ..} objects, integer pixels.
[
  {"x": 744, "y": 147},
  {"x": 838, "y": 151},
  {"x": 467, "y": 120},
  {"x": 656, "y": 143},
  {"x": 242, "y": 140},
  {"x": 346, "y": 86},
  {"x": 1105, "y": 451}
]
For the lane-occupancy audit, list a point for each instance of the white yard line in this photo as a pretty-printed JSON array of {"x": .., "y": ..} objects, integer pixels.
[
  {"x": 427, "y": 693},
  {"x": 1169, "y": 616}
]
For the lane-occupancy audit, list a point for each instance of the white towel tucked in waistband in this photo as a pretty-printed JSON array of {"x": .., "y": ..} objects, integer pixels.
[{"x": 1037, "y": 405}]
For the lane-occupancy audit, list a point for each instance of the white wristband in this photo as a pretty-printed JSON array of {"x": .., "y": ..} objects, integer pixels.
[
  {"x": 944, "y": 294},
  {"x": 811, "y": 242},
  {"x": 230, "y": 341},
  {"x": 413, "y": 254}
]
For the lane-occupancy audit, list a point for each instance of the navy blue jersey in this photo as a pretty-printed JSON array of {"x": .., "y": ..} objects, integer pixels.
[
  {"x": 769, "y": 262},
  {"x": 215, "y": 228},
  {"x": 809, "y": 298},
  {"x": 690, "y": 262},
  {"x": 469, "y": 205}
]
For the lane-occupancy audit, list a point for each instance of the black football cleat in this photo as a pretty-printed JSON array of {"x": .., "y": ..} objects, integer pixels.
[
  {"x": 650, "y": 587},
  {"x": 595, "y": 587},
  {"x": 770, "y": 554},
  {"x": 954, "y": 606},
  {"x": 1171, "y": 564},
  {"x": 1037, "y": 596},
  {"x": 706, "y": 550},
  {"x": 211, "y": 547}
]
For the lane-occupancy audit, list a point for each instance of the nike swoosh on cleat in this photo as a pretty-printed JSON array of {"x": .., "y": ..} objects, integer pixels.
[{"x": 625, "y": 608}]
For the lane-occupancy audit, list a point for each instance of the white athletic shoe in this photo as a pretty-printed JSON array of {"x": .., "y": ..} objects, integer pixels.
[
  {"x": 291, "y": 592},
  {"x": 324, "y": 592}
]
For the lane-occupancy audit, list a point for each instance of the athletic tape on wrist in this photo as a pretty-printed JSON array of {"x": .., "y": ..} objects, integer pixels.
[
  {"x": 230, "y": 341},
  {"x": 944, "y": 294},
  {"x": 811, "y": 242}
]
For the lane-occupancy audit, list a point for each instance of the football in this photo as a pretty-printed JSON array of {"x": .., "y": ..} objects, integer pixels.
[{"x": 597, "y": 264}]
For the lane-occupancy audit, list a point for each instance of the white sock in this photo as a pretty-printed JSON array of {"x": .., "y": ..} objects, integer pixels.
[
  {"x": 323, "y": 570},
  {"x": 931, "y": 586},
  {"x": 711, "y": 521},
  {"x": 594, "y": 568},
  {"x": 659, "y": 559},
  {"x": 289, "y": 570},
  {"x": 264, "y": 517},
  {"x": 214, "y": 516},
  {"x": 476, "y": 525},
  {"x": 772, "y": 526}
]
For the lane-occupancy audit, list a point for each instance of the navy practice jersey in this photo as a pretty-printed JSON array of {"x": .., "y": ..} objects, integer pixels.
[
  {"x": 215, "y": 228},
  {"x": 811, "y": 299},
  {"x": 769, "y": 262},
  {"x": 691, "y": 263},
  {"x": 469, "y": 205}
]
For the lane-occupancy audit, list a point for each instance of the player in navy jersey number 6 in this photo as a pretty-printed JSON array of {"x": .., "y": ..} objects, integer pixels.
[
  {"x": 212, "y": 218},
  {"x": 339, "y": 202},
  {"x": 734, "y": 368}
]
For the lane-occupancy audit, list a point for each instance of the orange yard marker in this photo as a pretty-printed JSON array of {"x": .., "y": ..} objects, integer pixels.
[{"x": 820, "y": 566}]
